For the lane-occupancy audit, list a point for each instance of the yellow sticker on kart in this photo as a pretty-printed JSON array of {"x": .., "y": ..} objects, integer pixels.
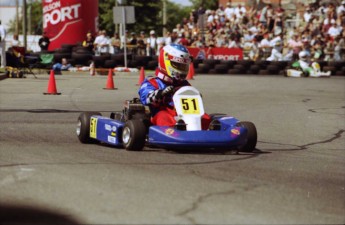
[
  {"x": 93, "y": 127},
  {"x": 190, "y": 106}
]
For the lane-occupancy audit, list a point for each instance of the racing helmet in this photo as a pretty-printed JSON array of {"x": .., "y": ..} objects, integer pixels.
[
  {"x": 174, "y": 61},
  {"x": 303, "y": 55}
]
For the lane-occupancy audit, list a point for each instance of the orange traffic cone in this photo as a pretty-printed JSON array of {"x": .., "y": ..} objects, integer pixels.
[
  {"x": 141, "y": 76},
  {"x": 110, "y": 82},
  {"x": 52, "y": 85},
  {"x": 190, "y": 72}
]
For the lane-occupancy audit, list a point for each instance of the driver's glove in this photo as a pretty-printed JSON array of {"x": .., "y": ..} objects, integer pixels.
[
  {"x": 167, "y": 90},
  {"x": 157, "y": 95}
]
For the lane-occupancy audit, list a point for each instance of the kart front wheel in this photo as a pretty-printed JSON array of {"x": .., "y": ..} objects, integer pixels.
[
  {"x": 252, "y": 137},
  {"x": 134, "y": 135},
  {"x": 83, "y": 127}
]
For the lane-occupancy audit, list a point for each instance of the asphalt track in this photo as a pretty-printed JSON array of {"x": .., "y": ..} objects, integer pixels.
[{"x": 296, "y": 175}]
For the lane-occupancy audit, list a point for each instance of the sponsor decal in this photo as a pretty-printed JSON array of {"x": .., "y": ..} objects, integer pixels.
[
  {"x": 235, "y": 132},
  {"x": 113, "y": 134},
  {"x": 67, "y": 21},
  {"x": 55, "y": 14},
  {"x": 111, "y": 139},
  {"x": 93, "y": 127},
  {"x": 179, "y": 59},
  {"x": 233, "y": 54},
  {"x": 110, "y": 128},
  {"x": 169, "y": 131}
]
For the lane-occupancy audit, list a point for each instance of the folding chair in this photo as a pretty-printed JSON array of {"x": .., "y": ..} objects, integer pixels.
[
  {"x": 25, "y": 62},
  {"x": 16, "y": 57},
  {"x": 46, "y": 61}
]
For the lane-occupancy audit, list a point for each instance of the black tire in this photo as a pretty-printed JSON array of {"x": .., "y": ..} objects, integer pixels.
[
  {"x": 272, "y": 69},
  {"x": 239, "y": 67},
  {"x": 199, "y": 71},
  {"x": 252, "y": 136},
  {"x": 83, "y": 127},
  {"x": 221, "y": 68},
  {"x": 152, "y": 65},
  {"x": 212, "y": 71},
  {"x": 264, "y": 72},
  {"x": 81, "y": 59},
  {"x": 234, "y": 71},
  {"x": 134, "y": 135},
  {"x": 109, "y": 63},
  {"x": 211, "y": 62}
]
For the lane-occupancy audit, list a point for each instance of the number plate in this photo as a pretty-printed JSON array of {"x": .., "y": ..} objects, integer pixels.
[
  {"x": 93, "y": 127},
  {"x": 190, "y": 106}
]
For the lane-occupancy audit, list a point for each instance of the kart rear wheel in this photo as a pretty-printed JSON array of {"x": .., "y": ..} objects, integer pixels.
[
  {"x": 134, "y": 135},
  {"x": 83, "y": 127},
  {"x": 251, "y": 136}
]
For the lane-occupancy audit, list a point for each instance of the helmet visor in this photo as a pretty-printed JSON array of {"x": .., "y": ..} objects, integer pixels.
[{"x": 180, "y": 67}]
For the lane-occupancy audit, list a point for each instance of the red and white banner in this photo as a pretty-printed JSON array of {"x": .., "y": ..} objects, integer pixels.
[
  {"x": 232, "y": 54},
  {"x": 68, "y": 21}
]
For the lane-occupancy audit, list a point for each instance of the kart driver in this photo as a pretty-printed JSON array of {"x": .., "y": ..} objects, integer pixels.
[
  {"x": 307, "y": 68},
  {"x": 156, "y": 92}
]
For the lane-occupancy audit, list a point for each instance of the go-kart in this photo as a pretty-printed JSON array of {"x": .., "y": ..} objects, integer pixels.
[{"x": 132, "y": 129}]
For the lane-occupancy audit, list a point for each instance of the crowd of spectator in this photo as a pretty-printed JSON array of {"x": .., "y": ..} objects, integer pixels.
[{"x": 262, "y": 33}]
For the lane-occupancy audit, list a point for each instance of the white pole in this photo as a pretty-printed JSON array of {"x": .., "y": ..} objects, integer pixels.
[{"x": 125, "y": 36}]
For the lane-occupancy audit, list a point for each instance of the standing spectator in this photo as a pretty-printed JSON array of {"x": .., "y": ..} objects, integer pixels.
[
  {"x": 142, "y": 44},
  {"x": 133, "y": 41},
  {"x": 183, "y": 41},
  {"x": 2, "y": 45},
  {"x": 44, "y": 42},
  {"x": 102, "y": 43},
  {"x": 229, "y": 10},
  {"x": 254, "y": 51},
  {"x": 265, "y": 46},
  {"x": 124, "y": 39},
  {"x": 151, "y": 44},
  {"x": 167, "y": 38},
  {"x": 88, "y": 42},
  {"x": 338, "y": 47},
  {"x": 263, "y": 15},
  {"x": 115, "y": 42},
  {"x": 278, "y": 19}
]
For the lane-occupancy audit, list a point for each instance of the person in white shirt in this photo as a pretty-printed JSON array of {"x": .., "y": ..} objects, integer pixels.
[
  {"x": 229, "y": 10},
  {"x": 334, "y": 30},
  {"x": 276, "y": 53},
  {"x": 307, "y": 15},
  {"x": 15, "y": 41},
  {"x": 2, "y": 45},
  {"x": 151, "y": 44},
  {"x": 341, "y": 8},
  {"x": 102, "y": 43}
]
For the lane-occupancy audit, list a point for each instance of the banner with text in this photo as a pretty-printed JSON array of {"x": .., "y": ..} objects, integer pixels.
[
  {"x": 68, "y": 21},
  {"x": 231, "y": 54}
]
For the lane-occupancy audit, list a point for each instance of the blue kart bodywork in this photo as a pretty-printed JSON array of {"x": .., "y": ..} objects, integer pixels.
[{"x": 230, "y": 135}]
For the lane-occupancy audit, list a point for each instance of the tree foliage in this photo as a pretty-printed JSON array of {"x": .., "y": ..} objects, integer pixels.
[
  {"x": 34, "y": 12},
  {"x": 207, "y": 4},
  {"x": 148, "y": 15}
]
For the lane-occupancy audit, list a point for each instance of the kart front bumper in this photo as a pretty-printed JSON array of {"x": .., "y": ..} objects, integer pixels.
[{"x": 230, "y": 137}]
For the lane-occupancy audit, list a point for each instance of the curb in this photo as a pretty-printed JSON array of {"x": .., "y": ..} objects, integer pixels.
[{"x": 3, "y": 76}]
